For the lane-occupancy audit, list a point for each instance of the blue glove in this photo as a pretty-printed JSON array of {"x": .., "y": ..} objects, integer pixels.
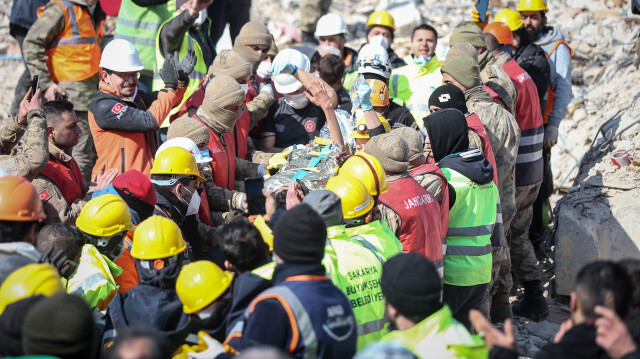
[
  {"x": 364, "y": 95},
  {"x": 283, "y": 68}
]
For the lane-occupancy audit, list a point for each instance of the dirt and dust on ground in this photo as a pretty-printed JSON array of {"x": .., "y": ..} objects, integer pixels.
[{"x": 597, "y": 202}]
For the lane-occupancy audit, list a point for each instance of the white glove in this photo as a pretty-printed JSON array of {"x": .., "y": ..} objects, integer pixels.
[
  {"x": 262, "y": 170},
  {"x": 214, "y": 348},
  {"x": 268, "y": 88},
  {"x": 241, "y": 202},
  {"x": 550, "y": 136}
]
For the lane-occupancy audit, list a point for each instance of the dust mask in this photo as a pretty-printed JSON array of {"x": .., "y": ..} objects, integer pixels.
[
  {"x": 245, "y": 88},
  {"x": 205, "y": 313},
  {"x": 263, "y": 70},
  {"x": 380, "y": 40},
  {"x": 202, "y": 16},
  {"x": 298, "y": 101},
  {"x": 194, "y": 203}
]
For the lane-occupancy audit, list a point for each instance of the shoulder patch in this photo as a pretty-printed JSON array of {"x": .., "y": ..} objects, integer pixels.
[
  {"x": 117, "y": 108},
  {"x": 45, "y": 196}
]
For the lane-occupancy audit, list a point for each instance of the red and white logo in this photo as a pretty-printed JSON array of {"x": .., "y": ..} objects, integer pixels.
[
  {"x": 117, "y": 108},
  {"x": 310, "y": 126},
  {"x": 44, "y": 195}
]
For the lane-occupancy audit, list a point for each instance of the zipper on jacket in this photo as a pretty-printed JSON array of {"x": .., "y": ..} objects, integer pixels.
[{"x": 122, "y": 160}]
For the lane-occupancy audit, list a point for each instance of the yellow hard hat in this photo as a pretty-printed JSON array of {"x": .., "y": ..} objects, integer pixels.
[
  {"x": 199, "y": 284},
  {"x": 157, "y": 237},
  {"x": 368, "y": 170},
  {"x": 510, "y": 17},
  {"x": 361, "y": 130},
  {"x": 532, "y": 5},
  {"x": 381, "y": 18},
  {"x": 105, "y": 216},
  {"x": 356, "y": 200},
  {"x": 176, "y": 161},
  {"x": 19, "y": 200},
  {"x": 379, "y": 93},
  {"x": 30, "y": 280}
]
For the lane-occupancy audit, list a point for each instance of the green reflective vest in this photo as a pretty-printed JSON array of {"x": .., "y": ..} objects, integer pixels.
[
  {"x": 94, "y": 278},
  {"x": 197, "y": 75},
  {"x": 411, "y": 86},
  {"x": 440, "y": 336},
  {"x": 467, "y": 259},
  {"x": 356, "y": 270},
  {"x": 139, "y": 25},
  {"x": 265, "y": 271},
  {"x": 378, "y": 234}
]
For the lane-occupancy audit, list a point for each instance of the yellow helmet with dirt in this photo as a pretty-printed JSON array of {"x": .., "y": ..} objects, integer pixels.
[
  {"x": 368, "y": 170},
  {"x": 157, "y": 237},
  {"x": 30, "y": 280},
  {"x": 356, "y": 200},
  {"x": 199, "y": 284},
  {"x": 379, "y": 93}
]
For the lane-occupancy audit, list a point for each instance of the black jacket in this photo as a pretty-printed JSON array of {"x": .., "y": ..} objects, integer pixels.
[{"x": 533, "y": 60}]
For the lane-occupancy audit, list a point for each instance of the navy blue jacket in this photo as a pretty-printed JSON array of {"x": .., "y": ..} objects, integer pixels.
[{"x": 24, "y": 12}]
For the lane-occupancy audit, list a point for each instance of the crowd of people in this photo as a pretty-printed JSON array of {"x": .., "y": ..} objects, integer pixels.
[{"x": 136, "y": 238}]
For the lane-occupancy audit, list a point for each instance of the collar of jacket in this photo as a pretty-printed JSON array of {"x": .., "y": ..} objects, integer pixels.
[
  {"x": 503, "y": 58},
  {"x": 106, "y": 88},
  {"x": 59, "y": 154},
  {"x": 286, "y": 270},
  {"x": 168, "y": 200},
  {"x": 428, "y": 68},
  {"x": 477, "y": 94},
  {"x": 484, "y": 59}
]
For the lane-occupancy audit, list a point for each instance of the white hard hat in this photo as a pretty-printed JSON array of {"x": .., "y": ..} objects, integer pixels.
[
  {"x": 374, "y": 59},
  {"x": 286, "y": 83},
  {"x": 187, "y": 144},
  {"x": 331, "y": 24},
  {"x": 120, "y": 55}
]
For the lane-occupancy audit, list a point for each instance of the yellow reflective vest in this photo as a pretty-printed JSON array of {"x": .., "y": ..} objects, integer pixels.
[{"x": 379, "y": 235}]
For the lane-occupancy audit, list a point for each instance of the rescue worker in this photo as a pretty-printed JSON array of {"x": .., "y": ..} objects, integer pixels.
[
  {"x": 310, "y": 12},
  {"x": 302, "y": 296},
  {"x": 138, "y": 23},
  {"x": 491, "y": 73},
  {"x": 380, "y": 30},
  {"x": 61, "y": 245},
  {"x": 63, "y": 47},
  {"x": 529, "y": 169},
  {"x": 104, "y": 222},
  {"x": 185, "y": 37},
  {"x": 29, "y": 158},
  {"x": 413, "y": 213},
  {"x": 411, "y": 85},
  {"x": 123, "y": 122},
  {"x": 60, "y": 182},
  {"x": 472, "y": 213},
  {"x": 157, "y": 248},
  {"x": 176, "y": 179},
  {"x": 361, "y": 135},
  {"x": 423, "y": 323},
  {"x": 331, "y": 31}
]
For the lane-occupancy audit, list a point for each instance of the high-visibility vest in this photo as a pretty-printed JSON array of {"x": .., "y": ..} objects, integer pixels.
[
  {"x": 75, "y": 54},
  {"x": 223, "y": 151},
  {"x": 67, "y": 179},
  {"x": 379, "y": 235},
  {"x": 355, "y": 266},
  {"x": 471, "y": 221},
  {"x": 197, "y": 75},
  {"x": 412, "y": 86},
  {"x": 94, "y": 279},
  {"x": 551, "y": 93},
  {"x": 139, "y": 25}
]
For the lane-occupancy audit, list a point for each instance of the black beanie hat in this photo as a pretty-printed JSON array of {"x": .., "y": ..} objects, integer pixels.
[
  {"x": 300, "y": 235},
  {"x": 411, "y": 284},
  {"x": 448, "y": 132},
  {"x": 62, "y": 326},
  {"x": 448, "y": 96}
]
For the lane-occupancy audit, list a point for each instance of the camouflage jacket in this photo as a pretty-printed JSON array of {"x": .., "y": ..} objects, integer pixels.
[
  {"x": 28, "y": 158},
  {"x": 492, "y": 75}
]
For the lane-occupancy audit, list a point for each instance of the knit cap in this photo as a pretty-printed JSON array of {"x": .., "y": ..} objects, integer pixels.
[
  {"x": 252, "y": 33},
  {"x": 300, "y": 235},
  {"x": 415, "y": 143},
  {"x": 462, "y": 49},
  {"x": 230, "y": 63},
  {"x": 221, "y": 92},
  {"x": 391, "y": 151},
  {"x": 448, "y": 96},
  {"x": 469, "y": 32},
  {"x": 273, "y": 51},
  {"x": 327, "y": 204},
  {"x": 190, "y": 128},
  {"x": 463, "y": 69}
]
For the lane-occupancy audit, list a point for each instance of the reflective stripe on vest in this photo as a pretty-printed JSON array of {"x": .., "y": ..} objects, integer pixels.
[
  {"x": 93, "y": 280},
  {"x": 75, "y": 54},
  {"x": 471, "y": 221},
  {"x": 551, "y": 93},
  {"x": 379, "y": 235},
  {"x": 68, "y": 180}
]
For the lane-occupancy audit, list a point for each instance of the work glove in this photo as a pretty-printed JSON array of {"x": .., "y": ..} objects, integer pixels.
[
  {"x": 364, "y": 95},
  {"x": 59, "y": 260},
  {"x": 212, "y": 348},
  {"x": 475, "y": 17},
  {"x": 280, "y": 68},
  {"x": 268, "y": 88},
  {"x": 550, "y": 136},
  {"x": 186, "y": 65},
  {"x": 240, "y": 202},
  {"x": 168, "y": 73}
]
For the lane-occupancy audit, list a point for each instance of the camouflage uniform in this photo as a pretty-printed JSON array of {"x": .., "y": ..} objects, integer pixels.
[
  {"x": 525, "y": 264},
  {"x": 493, "y": 75},
  {"x": 46, "y": 29},
  {"x": 310, "y": 13},
  {"x": 56, "y": 206},
  {"x": 29, "y": 157}
]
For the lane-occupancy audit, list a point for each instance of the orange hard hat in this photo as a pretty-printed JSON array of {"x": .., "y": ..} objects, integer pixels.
[
  {"x": 501, "y": 31},
  {"x": 19, "y": 200}
]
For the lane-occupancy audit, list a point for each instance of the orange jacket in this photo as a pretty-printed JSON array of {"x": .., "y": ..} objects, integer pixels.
[
  {"x": 124, "y": 131},
  {"x": 129, "y": 277}
]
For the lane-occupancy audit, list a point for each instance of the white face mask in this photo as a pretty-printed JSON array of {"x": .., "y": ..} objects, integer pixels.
[
  {"x": 245, "y": 88},
  {"x": 379, "y": 40},
  {"x": 205, "y": 313},
  {"x": 263, "y": 70},
  {"x": 194, "y": 203},
  {"x": 296, "y": 101},
  {"x": 202, "y": 16}
]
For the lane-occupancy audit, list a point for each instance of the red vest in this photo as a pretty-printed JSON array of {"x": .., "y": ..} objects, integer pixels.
[
  {"x": 224, "y": 157},
  {"x": 204, "y": 211},
  {"x": 429, "y": 168},
  {"x": 496, "y": 98},
  {"x": 194, "y": 101},
  {"x": 241, "y": 134},
  {"x": 528, "y": 113},
  {"x": 474, "y": 124},
  {"x": 420, "y": 214},
  {"x": 69, "y": 180}
]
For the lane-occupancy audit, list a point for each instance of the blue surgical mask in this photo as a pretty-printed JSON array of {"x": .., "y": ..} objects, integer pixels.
[{"x": 422, "y": 61}]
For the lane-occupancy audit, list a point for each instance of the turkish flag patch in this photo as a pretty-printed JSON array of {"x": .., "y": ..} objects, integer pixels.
[
  {"x": 310, "y": 126},
  {"x": 117, "y": 108},
  {"x": 45, "y": 195}
]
